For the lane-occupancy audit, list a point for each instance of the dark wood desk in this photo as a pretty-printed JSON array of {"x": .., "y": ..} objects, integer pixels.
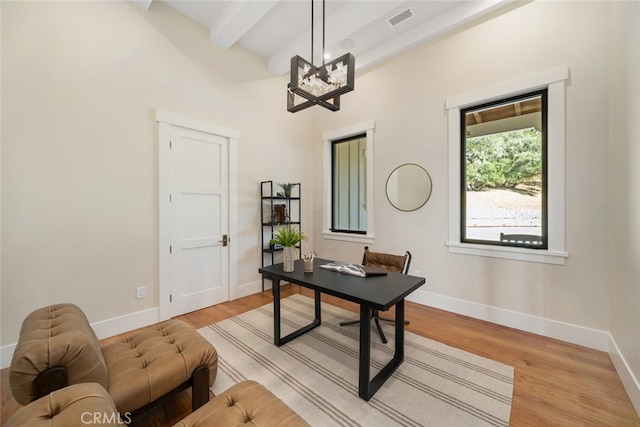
[{"x": 377, "y": 292}]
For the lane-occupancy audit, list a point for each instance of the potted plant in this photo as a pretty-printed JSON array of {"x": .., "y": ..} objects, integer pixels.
[
  {"x": 287, "y": 187},
  {"x": 288, "y": 237}
]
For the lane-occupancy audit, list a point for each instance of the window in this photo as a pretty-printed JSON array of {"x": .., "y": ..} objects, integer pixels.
[
  {"x": 348, "y": 188},
  {"x": 463, "y": 237},
  {"x": 503, "y": 164},
  {"x": 348, "y": 183}
]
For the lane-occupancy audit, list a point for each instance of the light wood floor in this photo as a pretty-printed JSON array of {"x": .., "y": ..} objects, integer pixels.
[{"x": 556, "y": 383}]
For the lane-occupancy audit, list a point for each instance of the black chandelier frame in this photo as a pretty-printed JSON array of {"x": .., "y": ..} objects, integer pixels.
[{"x": 330, "y": 99}]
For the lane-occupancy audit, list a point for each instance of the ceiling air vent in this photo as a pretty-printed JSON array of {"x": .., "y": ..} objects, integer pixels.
[{"x": 401, "y": 17}]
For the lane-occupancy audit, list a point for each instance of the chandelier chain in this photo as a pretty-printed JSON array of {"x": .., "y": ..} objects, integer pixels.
[
  {"x": 313, "y": 30},
  {"x": 322, "y": 33}
]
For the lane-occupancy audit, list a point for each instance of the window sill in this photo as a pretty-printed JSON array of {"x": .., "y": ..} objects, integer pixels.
[
  {"x": 349, "y": 237},
  {"x": 521, "y": 254}
]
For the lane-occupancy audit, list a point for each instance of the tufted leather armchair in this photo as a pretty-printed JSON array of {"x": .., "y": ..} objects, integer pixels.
[
  {"x": 78, "y": 404},
  {"x": 246, "y": 403},
  {"x": 57, "y": 347}
]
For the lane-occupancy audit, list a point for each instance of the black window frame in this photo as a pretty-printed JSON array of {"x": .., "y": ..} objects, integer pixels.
[
  {"x": 334, "y": 143},
  {"x": 543, "y": 93}
]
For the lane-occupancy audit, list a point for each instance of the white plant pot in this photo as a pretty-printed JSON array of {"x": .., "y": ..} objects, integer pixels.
[{"x": 289, "y": 255}]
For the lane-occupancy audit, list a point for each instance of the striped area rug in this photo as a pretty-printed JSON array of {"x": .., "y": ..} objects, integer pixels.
[{"x": 317, "y": 373}]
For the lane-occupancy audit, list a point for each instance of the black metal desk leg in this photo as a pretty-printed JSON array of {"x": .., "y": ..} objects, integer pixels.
[
  {"x": 276, "y": 311},
  {"x": 368, "y": 388},
  {"x": 318, "y": 313},
  {"x": 278, "y": 339},
  {"x": 399, "y": 353},
  {"x": 365, "y": 353}
]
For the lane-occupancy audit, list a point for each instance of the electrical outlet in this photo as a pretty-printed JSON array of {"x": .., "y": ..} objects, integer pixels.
[
  {"x": 416, "y": 272},
  {"x": 141, "y": 292}
]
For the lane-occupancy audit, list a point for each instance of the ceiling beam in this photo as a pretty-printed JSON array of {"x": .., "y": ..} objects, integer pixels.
[
  {"x": 338, "y": 25},
  {"x": 237, "y": 19},
  {"x": 518, "y": 108}
]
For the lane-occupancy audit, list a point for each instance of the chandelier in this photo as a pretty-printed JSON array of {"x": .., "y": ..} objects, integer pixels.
[{"x": 323, "y": 85}]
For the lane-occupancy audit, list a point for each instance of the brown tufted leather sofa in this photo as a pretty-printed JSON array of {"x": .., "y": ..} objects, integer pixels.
[
  {"x": 57, "y": 347},
  {"x": 78, "y": 404},
  {"x": 246, "y": 403}
]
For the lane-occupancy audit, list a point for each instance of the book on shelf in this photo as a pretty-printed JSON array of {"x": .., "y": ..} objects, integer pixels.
[{"x": 354, "y": 269}]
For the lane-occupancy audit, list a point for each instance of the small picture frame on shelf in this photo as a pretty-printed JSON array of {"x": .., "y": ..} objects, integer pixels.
[
  {"x": 279, "y": 214},
  {"x": 279, "y": 194},
  {"x": 275, "y": 246}
]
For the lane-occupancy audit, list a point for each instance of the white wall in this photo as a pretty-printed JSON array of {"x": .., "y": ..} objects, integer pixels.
[
  {"x": 406, "y": 98},
  {"x": 592, "y": 300},
  {"x": 80, "y": 82},
  {"x": 624, "y": 199}
]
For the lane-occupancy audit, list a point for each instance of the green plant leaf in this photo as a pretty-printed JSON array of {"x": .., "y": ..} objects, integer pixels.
[
  {"x": 286, "y": 186},
  {"x": 287, "y": 236}
]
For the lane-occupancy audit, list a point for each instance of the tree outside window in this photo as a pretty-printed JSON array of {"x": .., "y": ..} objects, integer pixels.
[{"x": 503, "y": 195}]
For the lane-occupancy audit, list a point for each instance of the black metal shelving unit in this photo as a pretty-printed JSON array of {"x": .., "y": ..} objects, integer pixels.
[{"x": 270, "y": 219}]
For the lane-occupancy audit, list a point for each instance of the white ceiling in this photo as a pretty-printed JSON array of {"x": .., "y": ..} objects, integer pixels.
[{"x": 281, "y": 29}]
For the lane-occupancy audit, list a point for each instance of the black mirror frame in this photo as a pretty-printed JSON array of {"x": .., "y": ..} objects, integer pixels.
[{"x": 428, "y": 196}]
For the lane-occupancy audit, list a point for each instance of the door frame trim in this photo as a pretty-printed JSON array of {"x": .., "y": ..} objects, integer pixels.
[{"x": 166, "y": 121}]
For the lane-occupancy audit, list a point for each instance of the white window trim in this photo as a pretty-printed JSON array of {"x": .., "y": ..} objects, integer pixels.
[
  {"x": 368, "y": 128},
  {"x": 555, "y": 80}
]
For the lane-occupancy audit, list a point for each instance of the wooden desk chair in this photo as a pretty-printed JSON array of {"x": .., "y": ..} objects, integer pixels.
[{"x": 395, "y": 263}]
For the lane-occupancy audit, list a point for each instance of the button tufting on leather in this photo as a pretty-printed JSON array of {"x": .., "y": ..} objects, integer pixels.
[{"x": 163, "y": 346}]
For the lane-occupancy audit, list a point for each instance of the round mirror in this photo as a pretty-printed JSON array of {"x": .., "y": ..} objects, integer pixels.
[{"x": 408, "y": 187}]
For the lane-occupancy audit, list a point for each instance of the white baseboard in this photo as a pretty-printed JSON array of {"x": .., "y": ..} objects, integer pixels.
[
  {"x": 592, "y": 338},
  {"x": 245, "y": 289},
  {"x": 6, "y": 353},
  {"x": 575, "y": 334},
  {"x": 117, "y": 325},
  {"x": 629, "y": 381},
  {"x": 103, "y": 329},
  {"x": 599, "y": 340}
]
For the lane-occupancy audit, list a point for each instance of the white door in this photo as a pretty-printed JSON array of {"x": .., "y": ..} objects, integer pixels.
[{"x": 199, "y": 265}]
